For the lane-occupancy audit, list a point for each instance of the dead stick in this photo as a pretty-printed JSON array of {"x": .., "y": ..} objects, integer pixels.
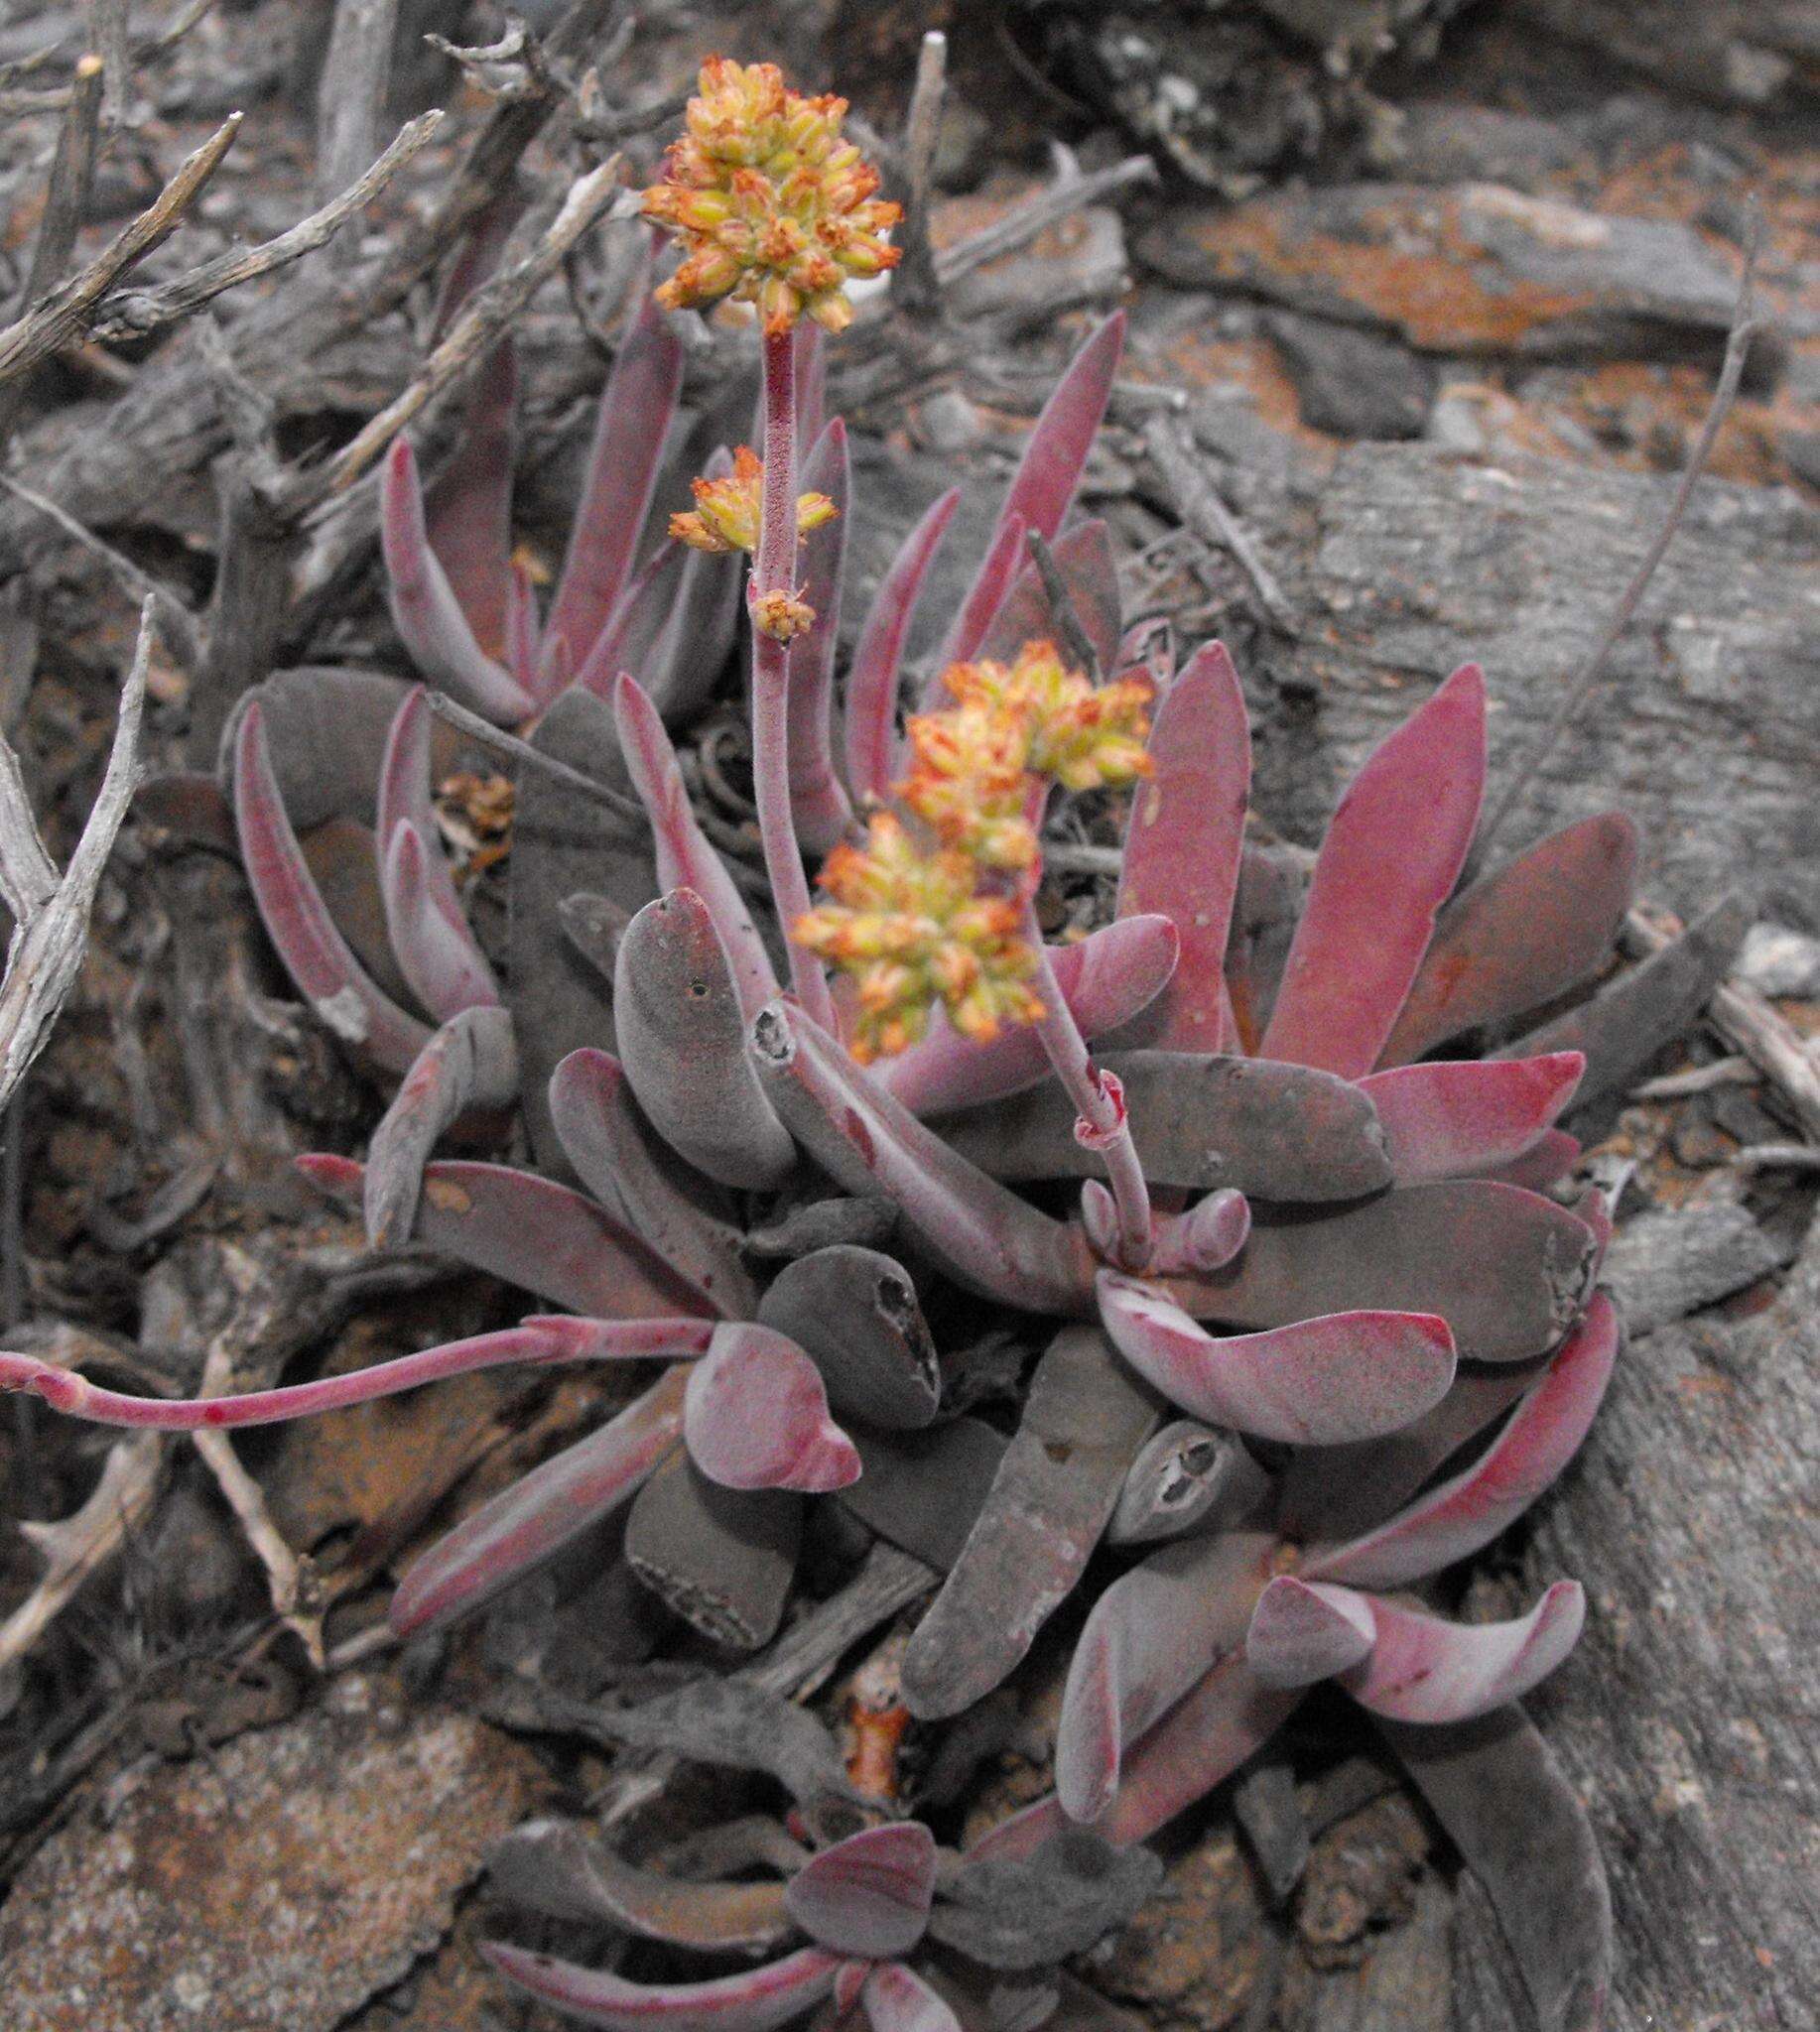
[
  {"x": 512, "y": 749},
  {"x": 1745, "y": 327},
  {"x": 916, "y": 284},
  {"x": 350, "y": 97},
  {"x": 115, "y": 45},
  {"x": 1197, "y": 501},
  {"x": 1048, "y": 208},
  {"x": 1062, "y": 607}
]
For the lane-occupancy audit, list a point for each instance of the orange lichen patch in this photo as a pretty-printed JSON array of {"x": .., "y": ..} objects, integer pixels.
[{"x": 1201, "y": 358}]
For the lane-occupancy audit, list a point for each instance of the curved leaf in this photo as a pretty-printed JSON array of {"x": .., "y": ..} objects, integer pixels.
[
  {"x": 1302, "y": 1631},
  {"x": 897, "y": 1999},
  {"x": 873, "y": 682},
  {"x": 755, "y": 2001},
  {"x": 470, "y": 1063},
  {"x": 818, "y": 801},
  {"x": 1451, "y": 1117},
  {"x": 755, "y": 1416},
  {"x": 853, "y": 1312},
  {"x": 1423, "y": 1668},
  {"x": 444, "y": 967},
  {"x": 404, "y": 797},
  {"x": 869, "y": 1895}
]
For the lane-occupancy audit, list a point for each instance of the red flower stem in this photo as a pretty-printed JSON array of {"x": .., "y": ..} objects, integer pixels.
[
  {"x": 1102, "y": 1112},
  {"x": 619, "y": 1340},
  {"x": 774, "y": 570}
]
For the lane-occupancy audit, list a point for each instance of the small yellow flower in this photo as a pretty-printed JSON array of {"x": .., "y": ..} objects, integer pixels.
[
  {"x": 1087, "y": 738},
  {"x": 970, "y": 781},
  {"x": 910, "y": 928},
  {"x": 727, "y": 511},
  {"x": 772, "y": 207},
  {"x": 782, "y": 616}
]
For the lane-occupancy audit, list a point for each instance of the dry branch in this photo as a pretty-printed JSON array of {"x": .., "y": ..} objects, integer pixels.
[{"x": 350, "y": 97}]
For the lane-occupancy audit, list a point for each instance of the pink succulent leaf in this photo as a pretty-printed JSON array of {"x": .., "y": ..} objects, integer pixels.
[
  {"x": 1507, "y": 1270},
  {"x": 1151, "y": 1637},
  {"x": 818, "y": 801},
  {"x": 808, "y": 366},
  {"x": 1334, "y": 1492},
  {"x": 470, "y": 1065},
  {"x": 537, "y": 1235},
  {"x": 853, "y": 1312},
  {"x": 684, "y": 662},
  {"x": 849, "y": 1985},
  {"x": 755, "y": 1416},
  {"x": 723, "y": 1558},
  {"x": 1272, "y": 890},
  {"x": 529, "y": 1522},
  {"x": 1048, "y": 475},
  {"x": 404, "y": 797},
  {"x": 1425, "y": 1669},
  {"x": 1269, "y": 1130},
  {"x": 1189, "y": 1478},
  {"x": 870, "y": 1895},
  {"x": 1053, "y": 1497},
  {"x": 1520, "y": 935},
  {"x": 1100, "y": 1218},
  {"x": 755, "y": 2001},
  {"x": 1001, "y": 563},
  {"x": 638, "y": 620},
  {"x": 685, "y": 859},
  {"x": 1633, "y": 1018},
  {"x": 992, "y": 1240},
  {"x": 1022, "y": 1916},
  {"x": 524, "y": 634},
  {"x": 924, "y": 1491},
  {"x": 897, "y": 1999},
  {"x": 446, "y": 967},
  {"x": 1461, "y": 1516},
  {"x": 469, "y": 507},
  {"x": 1184, "y": 843},
  {"x": 1453, "y": 1117},
  {"x": 315, "y": 954},
  {"x": 1596, "y": 1211},
  {"x": 1083, "y": 558},
  {"x": 1104, "y": 978},
  {"x": 1389, "y": 861},
  {"x": 604, "y": 1138},
  {"x": 1546, "y": 1162},
  {"x": 513, "y": 1347},
  {"x": 1314, "y": 1383},
  {"x": 425, "y": 610},
  {"x": 1495, "y": 1786},
  {"x": 553, "y": 1868},
  {"x": 682, "y": 1037},
  {"x": 634, "y": 421},
  {"x": 872, "y": 683},
  {"x": 1204, "y": 1238},
  {"x": 1302, "y": 1631}
]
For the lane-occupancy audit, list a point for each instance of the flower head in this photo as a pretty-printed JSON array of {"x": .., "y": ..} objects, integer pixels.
[
  {"x": 783, "y": 615},
  {"x": 910, "y": 928},
  {"x": 772, "y": 207},
  {"x": 1086, "y": 737},
  {"x": 726, "y": 511},
  {"x": 971, "y": 782}
]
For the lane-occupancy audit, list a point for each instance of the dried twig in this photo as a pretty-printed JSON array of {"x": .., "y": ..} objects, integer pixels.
[
  {"x": 1777, "y": 1157},
  {"x": 1751, "y": 1025},
  {"x": 1746, "y": 323},
  {"x": 62, "y": 316},
  {"x": 1736, "y": 1070},
  {"x": 115, "y": 44},
  {"x": 512, "y": 749},
  {"x": 131, "y": 313},
  {"x": 1198, "y": 503},
  {"x": 50, "y": 914},
  {"x": 143, "y": 50},
  {"x": 350, "y": 97},
  {"x": 917, "y": 281},
  {"x": 1075, "y": 639},
  {"x": 1018, "y": 227}
]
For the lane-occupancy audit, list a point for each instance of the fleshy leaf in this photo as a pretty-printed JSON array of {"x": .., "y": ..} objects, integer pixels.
[
  {"x": 471, "y": 1063},
  {"x": 872, "y": 683},
  {"x": 1389, "y": 861},
  {"x": 1026, "y": 1914},
  {"x": 1000, "y": 565},
  {"x": 683, "y": 1040},
  {"x": 553, "y": 1868},
  {"x": 314, "y": 951},
  {"x": 854, "y": 1311},
  {"x": 756, "y": 1416},
  {"x": 993, "y": 1241},
  {"x": 1302, "y": 1631},
  {"x": 1052, "y": 1498},
  {"x": 685, "y": 859},
  {"x": 637, "y": 624},
  {"x": 623, "y": 462},
  {"x": 1207, "y": 1236},
  {"x": 1423, "y": 1668},
  {"x": 1184, "y": 843},
  {"x": 1496, "y": 1789},
  {"x": 1546, "y": 1162},
  {"x": 446, "y": 969},
  {"x": 1542, "y": 1436},
  {"x": 1189, "y": 1478},
  {"x": 1521, "y": 935},
  {"x": 603, "y": 1137},
  {"x": 755, "y": 2001},
  {"x": 1152, "y": 1636},
  {"x": 686, "y": 655},
  {"x": 469, "y": 510},
  {"x": 729, "y": 1722},
  {"x": 923, "y": 1492},
  {"x": 1455, "y": 1117},
  {"x": 1314, "y": 1383},
  {"x": 1105, "y": 978},
  {"x": 723, "y": 1559},
  {"x": 1507, "y": 1270},
  {"x": 1084, "y": 557},
  {"x": 536, "y": 1234},
  {"x": 404, "y": 796},
  {"x": 818, "y": 802},
  {"x": 426, "y": 612},
  {"x": 897, "y": 1999},
  {"x": 533, "y": 1519},
  {"x": 869, "y": 1895},
  {"x": 1270, "y": 1130}
]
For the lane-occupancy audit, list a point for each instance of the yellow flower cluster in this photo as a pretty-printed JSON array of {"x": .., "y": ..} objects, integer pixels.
[
  {"x": 911, "y": 928},
  {"x": 772, "y": 207},
  {"x": 911, "y": 924},
  {"x": 726, "y": 511}
]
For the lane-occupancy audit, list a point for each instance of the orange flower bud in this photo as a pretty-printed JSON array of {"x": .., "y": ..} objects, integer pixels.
[
  {"x": 782, "y": 616},
  {"x": 727, "y": 511}
]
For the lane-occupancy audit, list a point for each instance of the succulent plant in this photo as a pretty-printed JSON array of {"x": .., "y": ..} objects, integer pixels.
[{"x": 1310, "y": 1265}]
